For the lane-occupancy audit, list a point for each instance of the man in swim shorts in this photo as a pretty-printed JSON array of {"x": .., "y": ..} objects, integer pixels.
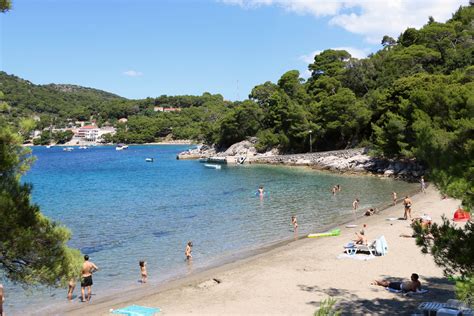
[
  {"x": 86, "y": 277},
  {"x": 407, "y": 286}
]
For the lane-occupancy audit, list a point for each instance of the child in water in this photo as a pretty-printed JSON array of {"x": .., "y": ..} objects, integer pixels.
[
  {"x": 294, "y": 222},
  {"x": 189, "y": 249},
  {"x": 143, "y": 272}
]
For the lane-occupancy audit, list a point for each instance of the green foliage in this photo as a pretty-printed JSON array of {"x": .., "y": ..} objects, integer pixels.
[
  {"x": 327, "y": 308},
  {"x": 33, "y": 249},
  {"x": 5, "y": 5},
  {"x": 62, "y": 137},
  {"x": 452, "y": 248}
]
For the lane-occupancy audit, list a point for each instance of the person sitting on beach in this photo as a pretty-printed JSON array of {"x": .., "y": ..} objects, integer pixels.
[
  {"x": 71, "y": 287},
  {"x": 294, "y": 222},
  {"x": 407, "y": 204},
  {"x": 371, "y": 211},
  {"x": 143, "y": 272},
  {"x": 189, "y": 249},
  {"x": 425, "y": 223},
  {"x": 361, "y": 239},
  {"x": 86, "y": 277},
  {"x": 408, "y": 286}
]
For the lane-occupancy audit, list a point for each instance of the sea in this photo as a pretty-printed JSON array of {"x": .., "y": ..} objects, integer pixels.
[{"x": 122, "y": 209}]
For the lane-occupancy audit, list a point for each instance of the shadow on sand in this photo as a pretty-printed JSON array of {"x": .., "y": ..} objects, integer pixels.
[{"x": 440, "y": 290}]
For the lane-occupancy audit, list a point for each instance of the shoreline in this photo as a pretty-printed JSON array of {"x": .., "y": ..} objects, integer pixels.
[{"x": 166, "y": 296}]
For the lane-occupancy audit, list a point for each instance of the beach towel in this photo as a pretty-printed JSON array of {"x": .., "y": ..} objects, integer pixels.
[
  {"x": 422, "y": 291},
  {"x": 381, "y": 246},
  {"x": 360, "y": 257},
  {"x": 136, "y": 310}
]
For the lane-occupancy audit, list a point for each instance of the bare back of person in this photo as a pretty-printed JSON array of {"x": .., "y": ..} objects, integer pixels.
[
  {"x": 87, "y": 269},
  {"x": 411, "y": 286}
]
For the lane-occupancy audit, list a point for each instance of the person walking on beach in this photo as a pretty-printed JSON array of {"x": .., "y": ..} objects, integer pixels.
[
  {"x": 294, "y": 222},
  {"x": 86, "y": 278},
  {"x": 143, "y": 272},
  {"x": 407, "y": 204},
  {"x": 394, "y": 197},
  {"x": 189, "y": 249},
  {"x": 423, "y": 184},
  {"x": 71, "y": 287},
  {"x": 413, "y": 285}
]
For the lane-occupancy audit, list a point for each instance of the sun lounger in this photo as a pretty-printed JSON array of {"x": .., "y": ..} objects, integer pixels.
[{"x": 352, "y": 249}]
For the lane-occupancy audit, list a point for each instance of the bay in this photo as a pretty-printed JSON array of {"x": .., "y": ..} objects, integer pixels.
[{"x": 122, "y": 209}]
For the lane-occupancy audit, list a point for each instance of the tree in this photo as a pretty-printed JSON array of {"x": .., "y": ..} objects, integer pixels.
[
  {"x": 452, "y": 248},
  {"x": 5, "y": 5},
  {"x": 33, "y": 248}
]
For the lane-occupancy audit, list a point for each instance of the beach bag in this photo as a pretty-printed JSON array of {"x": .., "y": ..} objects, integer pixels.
[{"x": 381, "y": 247}]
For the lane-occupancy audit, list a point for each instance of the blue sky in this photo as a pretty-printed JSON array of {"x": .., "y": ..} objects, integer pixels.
[{"x": 144, "y": 48}]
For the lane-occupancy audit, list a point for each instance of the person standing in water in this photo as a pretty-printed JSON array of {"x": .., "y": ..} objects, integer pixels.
[
  {"x": 86, "y": 278},
  {"x": 355, "y": 206},
  {"x": 333, "y": 190},
  {"x": 423, "y": 184},
  {"x": 260, "y": 190},
  {"x": 407, "y": 204},
  {"x": 394, "y": 197},
  {"x": 71, "y": 287},
  {"x": 294, "y": 222},
  {"x": 143, "y": 272},
  {"x": 188, "y": 250}
]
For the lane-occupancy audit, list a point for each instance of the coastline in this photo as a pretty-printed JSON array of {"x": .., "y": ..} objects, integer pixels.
[{"x": 298, "y": 271}]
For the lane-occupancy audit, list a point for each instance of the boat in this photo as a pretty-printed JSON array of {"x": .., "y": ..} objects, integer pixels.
[
  {"x": 212, "y": 166},
  {"x": 68, "y": 149},
  {"x": 149, "y": 159},
  {"x": 83, "y": 147},
  {"x": 48, "y": 146},
  {"x": 121, "y": 147}
]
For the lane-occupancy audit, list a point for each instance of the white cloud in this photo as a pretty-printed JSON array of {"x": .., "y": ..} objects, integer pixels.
[
  {"x": 355, "y": 52},
  {"x": 370, "y": 18},
  {"x": 133, "y": 73}
]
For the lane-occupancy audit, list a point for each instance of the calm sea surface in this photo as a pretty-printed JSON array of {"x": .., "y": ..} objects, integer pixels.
[{"x": 122, "y": 209}]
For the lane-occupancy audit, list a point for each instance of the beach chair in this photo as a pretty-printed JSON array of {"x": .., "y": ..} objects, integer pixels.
[
  {"x": 352, "y": 248},
  {"x": 370, "y": 248}
]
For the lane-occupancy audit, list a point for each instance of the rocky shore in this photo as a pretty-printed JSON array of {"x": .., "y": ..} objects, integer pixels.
[{"x": 345, "y": 161}]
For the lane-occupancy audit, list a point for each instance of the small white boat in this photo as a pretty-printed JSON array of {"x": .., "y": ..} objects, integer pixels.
[
  {"x": 212, "y": 166},
  {"x": 48, "y": 146},
  {"x": 83, "y": 147},
  {"x": 149, "y": 159},
  {"x": 68, "y": 149},
  {"x": 121, "y": 147}
]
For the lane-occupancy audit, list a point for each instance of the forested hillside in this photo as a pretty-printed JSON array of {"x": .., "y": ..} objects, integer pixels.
[{"x": 414, "y": 98}]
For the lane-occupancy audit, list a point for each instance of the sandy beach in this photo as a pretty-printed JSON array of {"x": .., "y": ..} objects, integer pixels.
[{"x": 294, "y": 277}]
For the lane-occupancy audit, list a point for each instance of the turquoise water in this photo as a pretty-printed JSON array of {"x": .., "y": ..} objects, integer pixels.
[{"x": 122, "y": 209}]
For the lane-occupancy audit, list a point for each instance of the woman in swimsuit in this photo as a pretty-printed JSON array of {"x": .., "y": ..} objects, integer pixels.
[{"x": 407, "y": 204}]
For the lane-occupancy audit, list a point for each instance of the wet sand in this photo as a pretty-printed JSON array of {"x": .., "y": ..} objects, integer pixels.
[{"x": 294, "y": 277}]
